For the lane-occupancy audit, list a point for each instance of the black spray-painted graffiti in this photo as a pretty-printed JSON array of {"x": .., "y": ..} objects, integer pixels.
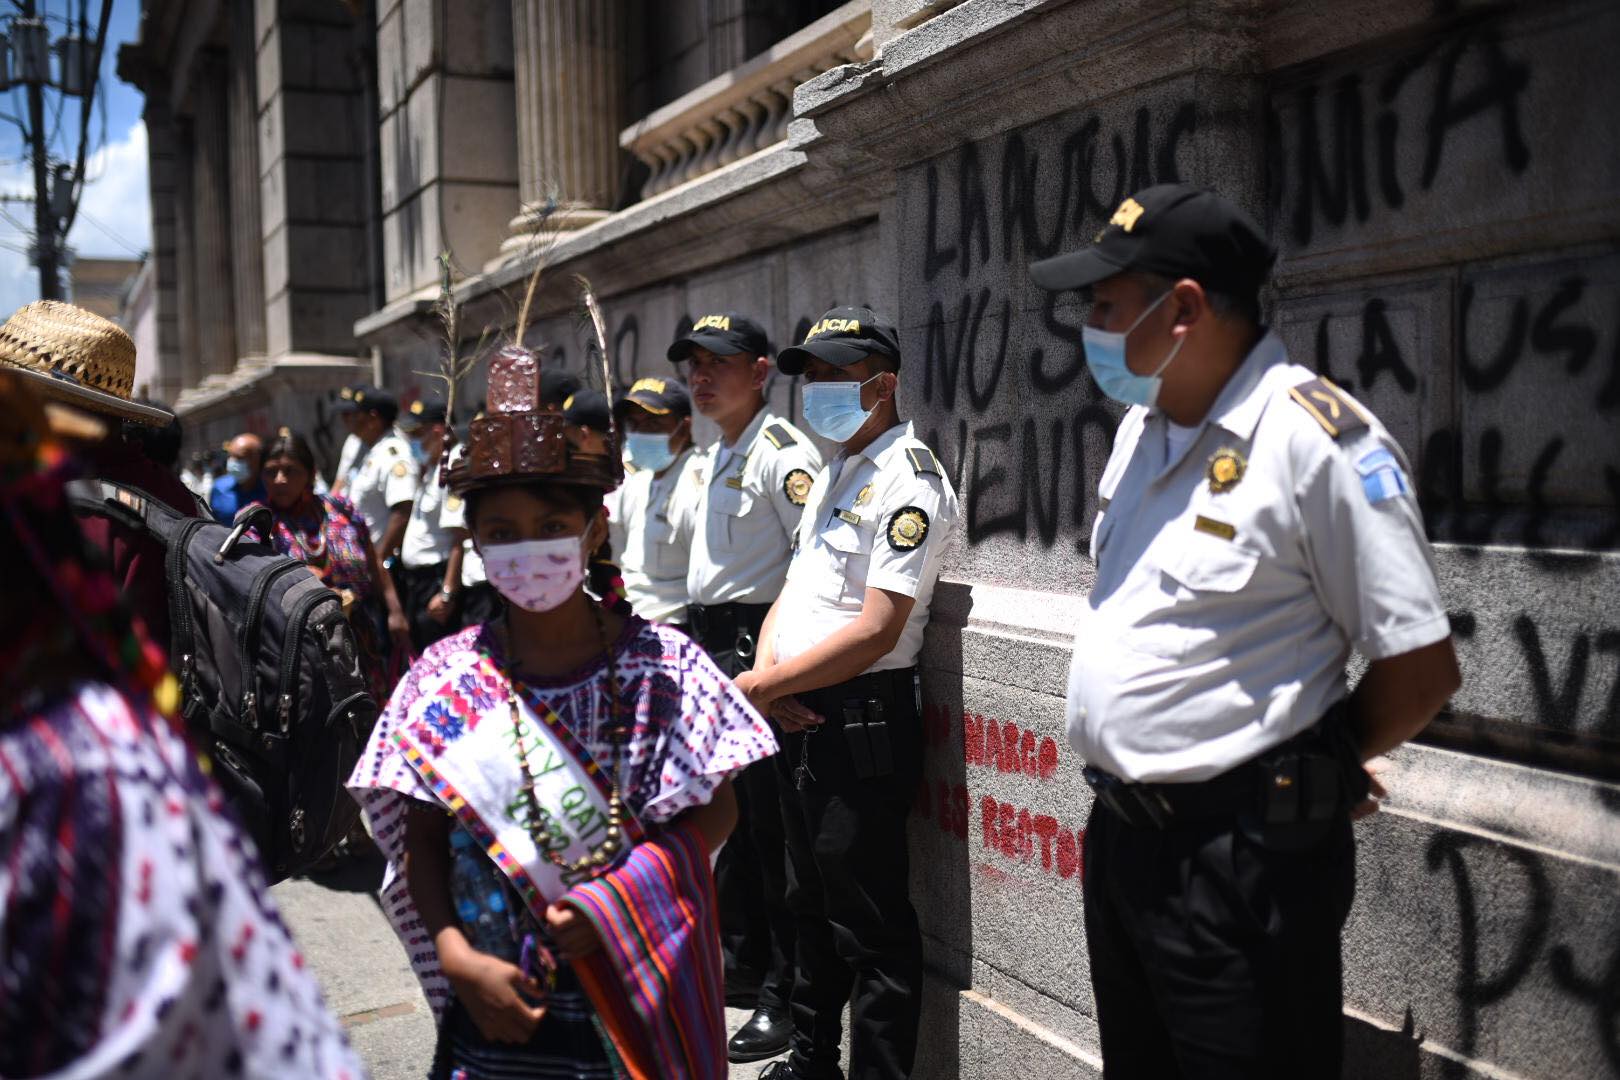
[
  {"x": 1489, "y": 972},
  {"x": 1032, "y": 476},
  {"x": 1329, "y": 167}
]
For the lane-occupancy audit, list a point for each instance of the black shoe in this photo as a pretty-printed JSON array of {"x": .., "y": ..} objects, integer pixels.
[
  {"x": 765, "y": 1035},
  {"x": 778, "y": 1070}
]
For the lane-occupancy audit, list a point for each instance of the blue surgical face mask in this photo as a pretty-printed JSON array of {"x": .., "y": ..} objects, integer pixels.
[
  {"x": 648, "y": 450},
  {"x": 833, "y": 409},
  {"x": 1105, "y": 356},
  {"x": 239, "y": 470},
  {"x": 418, "y": 451}
]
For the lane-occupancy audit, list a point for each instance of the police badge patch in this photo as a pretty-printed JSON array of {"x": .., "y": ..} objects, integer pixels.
[
  {"x": 1225, "y": 470},
  {"x": 797, "y": 486},
  {"x": 908, "y": 528},
  {"x": 399, "y": 468}
]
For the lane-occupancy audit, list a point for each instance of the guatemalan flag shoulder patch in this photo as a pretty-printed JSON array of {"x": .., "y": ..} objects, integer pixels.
[{"x": 1381, "y": 475}]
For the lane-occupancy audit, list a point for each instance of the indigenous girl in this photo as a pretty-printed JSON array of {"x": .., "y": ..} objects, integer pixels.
[
  {"x": 327, "y": 533},
  {"x": 548, "y": 786}
]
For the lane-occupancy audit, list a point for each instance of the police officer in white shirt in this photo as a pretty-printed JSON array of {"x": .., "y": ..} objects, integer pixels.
[
  {"x": 349, "y": 455},
  {"x": 655, "y": 425},
  {"x": 744, "y": 496},
  {"x": 1255, "y": 525},
  {"x": 386, "y": 482},
  {"x": 837, "y": 668},
  {"x": 424, "y": 554}
]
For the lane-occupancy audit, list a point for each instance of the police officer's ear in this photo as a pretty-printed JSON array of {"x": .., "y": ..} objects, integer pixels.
[
  {"x": 761, "y": 372},
  {"x": 681, "y": 437},
  {"x": 1188, "y": 304}
]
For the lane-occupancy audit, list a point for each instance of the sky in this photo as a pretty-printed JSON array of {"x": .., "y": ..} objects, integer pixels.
[{"x": 115, "y": 217}]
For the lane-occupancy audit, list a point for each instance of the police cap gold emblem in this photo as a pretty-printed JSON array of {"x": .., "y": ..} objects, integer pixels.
[
  {"x": 908, "y": 528},
  {"x": 797, "y": 485},
  {"x": 1226, "y": 469}
]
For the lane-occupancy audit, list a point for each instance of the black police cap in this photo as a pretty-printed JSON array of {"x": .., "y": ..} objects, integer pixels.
[
  {"x": 843, "y": 336},
  {"x": 659, "y": 396},
  {"x": 348, "y": 394},
  {"x": 379, "y": 401},
  {"x": 724, "y": 333},
  {"x": 588, "y": 406},
  {"x": 1173, "y": 230},
  {"x": 557, "y": 386},
  {"x": 423, "y": 412}
]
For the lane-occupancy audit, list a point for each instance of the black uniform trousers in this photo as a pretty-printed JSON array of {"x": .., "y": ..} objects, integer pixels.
[
  {"x": 417, "y": 585},
  {"x": 849, "y": 887},
  {"x": 750, "y": 876},
  {"x": 1215, "y": 946}
]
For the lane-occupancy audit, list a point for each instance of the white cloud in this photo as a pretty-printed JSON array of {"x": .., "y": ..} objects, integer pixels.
[{"x": 115, "y": 200}]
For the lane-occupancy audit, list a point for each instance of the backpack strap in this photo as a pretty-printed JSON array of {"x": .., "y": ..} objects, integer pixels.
[{"x": 127, "y": 505}]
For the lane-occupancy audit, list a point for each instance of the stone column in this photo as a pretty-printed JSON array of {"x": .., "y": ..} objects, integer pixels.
[
  {"x": 214, "y": 296},
  {"x": 161, "y": 141},
  {"x": 570, "y": 105},
  {"x": 185, "y": 244},
  {"x": 247, "y": 241}
]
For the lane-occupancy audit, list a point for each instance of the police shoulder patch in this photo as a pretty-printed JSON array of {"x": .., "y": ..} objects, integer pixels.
[
  {"x": 908, "y": 527},
  {"x": 400, "y": 469},
  {"x": 1329, "y": 406},
  {"x": 779, "y": 435},
  {"x": 797, "y": 486},
  {"x": 923, "y": 461}
]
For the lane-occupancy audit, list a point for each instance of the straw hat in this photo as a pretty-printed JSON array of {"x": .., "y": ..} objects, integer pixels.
[{"x": 76, "y": 356}]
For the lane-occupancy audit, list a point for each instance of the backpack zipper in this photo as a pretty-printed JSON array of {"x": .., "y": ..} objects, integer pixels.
[
  {"x": 249, "y": 641},
  {"x": 290, "y": 656}
]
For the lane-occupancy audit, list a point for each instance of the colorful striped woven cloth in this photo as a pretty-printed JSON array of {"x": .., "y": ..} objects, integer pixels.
[{"x": 656, "y": 981}]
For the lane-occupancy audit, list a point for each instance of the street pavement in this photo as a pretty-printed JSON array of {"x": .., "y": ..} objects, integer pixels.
[{"x": 340, "y": 928}]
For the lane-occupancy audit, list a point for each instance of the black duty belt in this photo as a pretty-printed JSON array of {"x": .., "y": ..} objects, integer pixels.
[
  {"x": 897, "y": 685},
  {"x": 727, "y": 627},
  {"x": 1307, "y": 778}
]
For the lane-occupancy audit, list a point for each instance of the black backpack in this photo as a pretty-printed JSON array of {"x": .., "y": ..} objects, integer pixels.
[{"x": 270, "y": 677}]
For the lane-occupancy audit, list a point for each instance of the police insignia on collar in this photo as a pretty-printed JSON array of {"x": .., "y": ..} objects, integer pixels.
[
  {"x": 864, "y": 495},
  {"x": 1226, "y": 468},
  {"x": 797, "y": 486},
  {"x": 908, "y": 528}
]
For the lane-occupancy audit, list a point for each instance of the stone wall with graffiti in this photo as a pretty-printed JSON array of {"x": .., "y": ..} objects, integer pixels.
[{"x": 1448, "y": 216}]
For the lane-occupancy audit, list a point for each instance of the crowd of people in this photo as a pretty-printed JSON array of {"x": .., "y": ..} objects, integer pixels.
[{"x": 652, "y": 709}]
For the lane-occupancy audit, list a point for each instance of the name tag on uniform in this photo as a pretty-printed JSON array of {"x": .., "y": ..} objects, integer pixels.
[
  {"x": 1214, "y": 528},
  {"x": 847, "y": 516}
]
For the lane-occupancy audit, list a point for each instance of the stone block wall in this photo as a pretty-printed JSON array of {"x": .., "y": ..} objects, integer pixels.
[{"x": 448, "y": 137}]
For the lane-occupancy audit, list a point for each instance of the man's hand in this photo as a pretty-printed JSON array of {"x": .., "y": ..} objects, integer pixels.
[
  {"x": 573, "y": 932},
  {"x": 399, "y": 628},
  {"x": 488, "y": 987},
  {"x": 749, "y": 683},
  {"x": 794, "y": 715},
  {"x": 1376, "y": 791},
  {"x": 440, "y": 608}
]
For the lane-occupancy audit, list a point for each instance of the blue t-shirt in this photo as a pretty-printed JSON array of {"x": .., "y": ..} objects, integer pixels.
[{"x": 225, "y": 498}]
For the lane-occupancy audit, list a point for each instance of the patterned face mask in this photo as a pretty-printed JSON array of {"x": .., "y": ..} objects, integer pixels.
[{"x": 536, "y": 575}]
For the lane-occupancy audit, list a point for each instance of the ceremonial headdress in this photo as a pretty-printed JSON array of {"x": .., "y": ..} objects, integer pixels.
[{"x": 523, "y": 436}]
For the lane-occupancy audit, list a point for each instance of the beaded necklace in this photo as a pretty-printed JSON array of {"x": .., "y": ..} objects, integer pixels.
[{"x": 617, "y": 734}]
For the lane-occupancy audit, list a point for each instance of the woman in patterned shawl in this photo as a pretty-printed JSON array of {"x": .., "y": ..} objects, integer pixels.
[
  {"x": 327, "y": 533},
  {"x": 136, "y": 934},
  {"x": 548, "y": 787}
]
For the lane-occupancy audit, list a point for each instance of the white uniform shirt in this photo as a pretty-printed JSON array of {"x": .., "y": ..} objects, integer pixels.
[
  {"x": 387, "y": 476},
  {"x": 651, "y": 551},
  {"x": 453, "y": 515},
  {"x": 742, "y": 505},
  {"x": 877, "y": 519},
  {"x": 1221, "y": 620},
  {"x": 427, "y": 541},
  {"x": 348, "y": 459}
]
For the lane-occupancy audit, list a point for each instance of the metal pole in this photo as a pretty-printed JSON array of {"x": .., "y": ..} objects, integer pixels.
[{"x": 50, "y": 288}]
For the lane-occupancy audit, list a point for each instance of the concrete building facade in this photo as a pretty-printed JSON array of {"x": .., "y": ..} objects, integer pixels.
[{"x": 1444, "y": 185}]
